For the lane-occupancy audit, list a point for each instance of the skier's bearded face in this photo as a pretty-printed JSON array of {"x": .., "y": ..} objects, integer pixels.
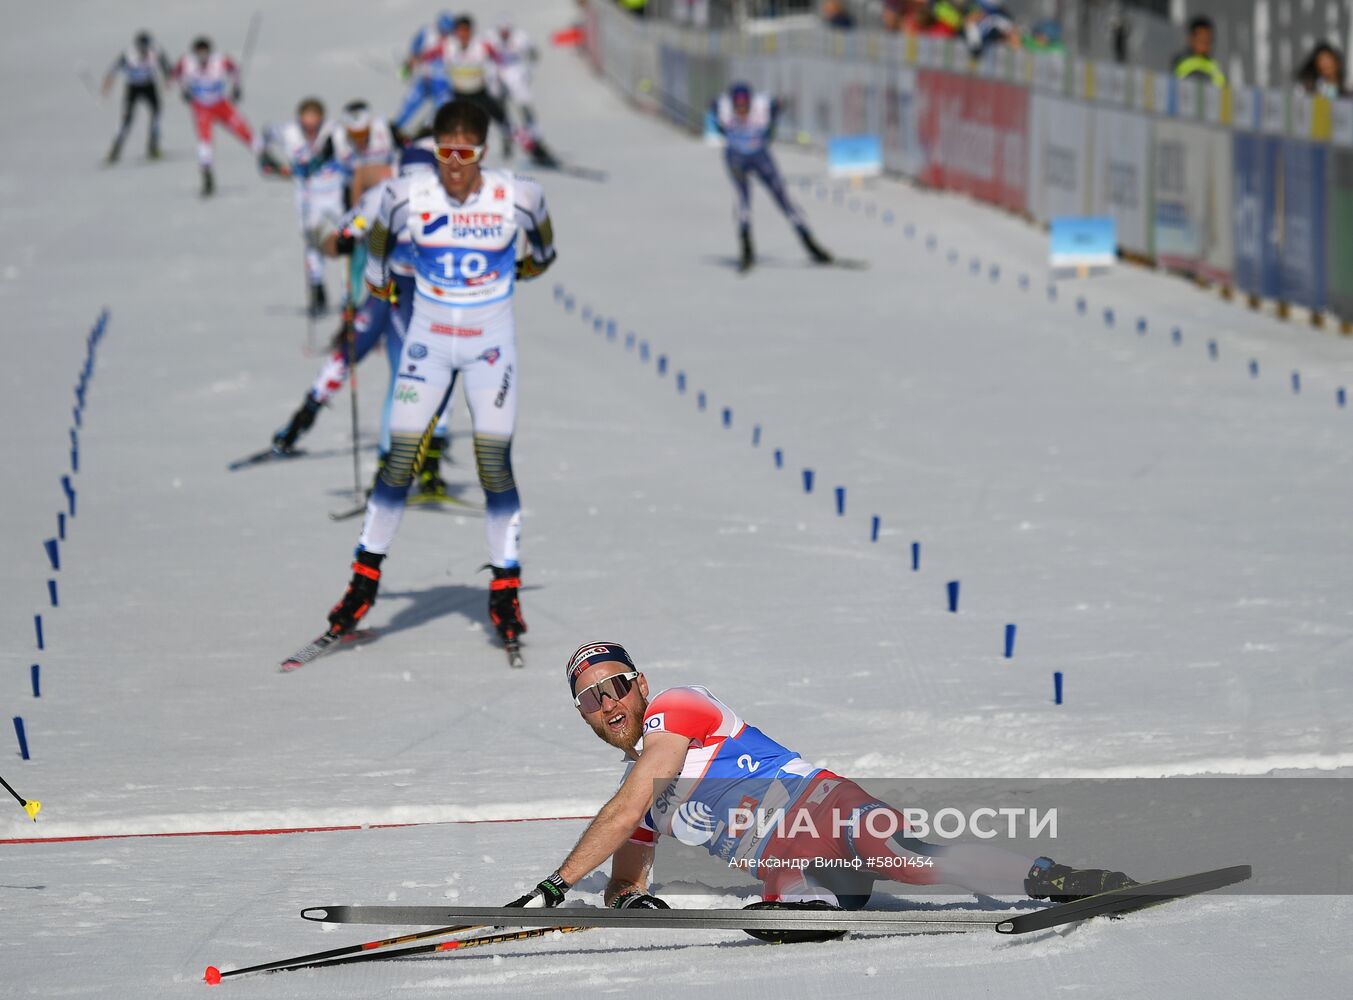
[{"x": 619, "y": 722}]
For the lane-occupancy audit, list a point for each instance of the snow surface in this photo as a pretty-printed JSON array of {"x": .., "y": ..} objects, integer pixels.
[{"x": 1167, "y": 531}]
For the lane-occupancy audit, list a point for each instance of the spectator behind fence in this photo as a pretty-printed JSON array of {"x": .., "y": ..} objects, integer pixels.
[
  {"x": 1196, "y": 63},
  {"x": 1322, "y": 73},
  {"x": 1046, "y": 36},
  {"x": 835, "y": 15},
  {"x": 986, "y": 24}
]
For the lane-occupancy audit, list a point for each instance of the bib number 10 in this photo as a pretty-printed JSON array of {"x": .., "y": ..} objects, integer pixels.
[{"x": 470, "y": 264}]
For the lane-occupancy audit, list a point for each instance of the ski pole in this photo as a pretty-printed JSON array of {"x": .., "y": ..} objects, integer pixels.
[
  {"x": 215, "y": 975},
  {"x": 250, "y": 39},
  {"x": 31, "y": 807},
  {"x": 350, "y": 312},
  {"x": 460, "y": 944}
]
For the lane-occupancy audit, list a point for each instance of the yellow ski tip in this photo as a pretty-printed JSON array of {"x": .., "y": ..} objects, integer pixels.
[{"x": 32, "y": 807}]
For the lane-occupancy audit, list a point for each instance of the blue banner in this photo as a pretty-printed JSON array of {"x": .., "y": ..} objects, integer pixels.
[
  {"x": 1302, "y": 260},
  {"x": 1254, "y": 215}
]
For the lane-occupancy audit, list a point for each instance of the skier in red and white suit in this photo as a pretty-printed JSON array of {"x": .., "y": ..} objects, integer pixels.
[
  {"x": 210, "y": 82},
  {"x": 697, "y": 771}
]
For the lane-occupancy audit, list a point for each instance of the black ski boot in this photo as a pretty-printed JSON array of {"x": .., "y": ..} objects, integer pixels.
[
  {"x": 319, "y": 301},
  {"x": 360, "y": 595},
  {"x": 115, "y": 153},
  {"x": 284, "y": 441},
  {"x": 795, "y": 936},
  {"x": 504, "y": 608},
  {"x": 208, "y": 183},
  {"x": 815, "y": 251},
  {"x": 153, "y": 148},
  {"x": 1061, "y": 884},
  {"x": 748, "y": 256}
]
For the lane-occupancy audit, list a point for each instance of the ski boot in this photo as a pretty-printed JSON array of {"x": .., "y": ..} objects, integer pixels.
[
  {"x": 794, "y": 936},
  {"x": 115, "y": 153},
  {"x": 153, "y": 149},
  {"x": 284, "y": 441},
  {"x": 319, "y": 301},
  {"x": 1061, "y": 884},
  {"x": 504, "y": 608},
  {"x": 208, "y": 183},
  {"x": 360, "y": 595},
  {"x": 748, "y": 256},
  {"x": 431, "y": 485},
  {"x": 815, "y": 251}
]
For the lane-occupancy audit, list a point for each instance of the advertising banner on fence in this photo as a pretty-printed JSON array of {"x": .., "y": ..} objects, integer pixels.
[
  {"x": 1339, "y": 233},
  {"x": 1120, "y": 177},
  {"x": 1255, "y": 214},
  {"x": 902, "y": 150},
  {"x": 974, "y": 134},
  {"x": 1302, "y": 247},
  {"x": 1059, "y": 161},
  {"x": 1192, "y": 193}
]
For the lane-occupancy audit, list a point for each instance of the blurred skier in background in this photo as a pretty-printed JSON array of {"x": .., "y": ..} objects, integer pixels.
[
  {"x": 142, "y": 65},
  {"x": 210, "y": 83}
]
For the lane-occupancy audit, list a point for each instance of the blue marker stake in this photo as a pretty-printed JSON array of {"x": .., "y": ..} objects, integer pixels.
[
  {"x": 1254, "y": 368},
  {"x": 587, "y": 313},
  {"x": 70, "y": 494},
  {"x": 1057, "y": 688},
  {"x": 915, "y": 556},
  {"x": 53, "y": 553},
  {"x": 37, "y": 627},
  {"x": 1009, "y": 641},
  {"x": 610, "y": 329},
  {"x": 727, "y": 417},
  {"x": 887, "y": 218},
  {"x": 1108, "y": 317},
  {"x": 952, "y": 589},
  {"x": 808, "y": 480},
  {"x": 779, "y": 459},
  {"x": 568, "y": 304},
  {"x": 74, "y": 460},
  {"x": 974, "y": 266},
  {"x": 874, "y": 524},
  {"x": 1177, "y": 335},
  {"x": 662, "y": 367},
  {"x": 756, "y": 436},
  {"x": 34, "y": 673},
  {"x": 995, "y": 273},
  {"x": 643, "y": 351},
  {"x": 840, "y": 501},
  {"x": 629, "y": 341},
  {"x": 75, "y": 415},
  {"x": 1080, "y": 306},
  {"x": 51, "y": 592},
  {"x": 61, "y": 525},
  {"x": 597, "y": 324},
  {"x": 23, "y": 739},
  {"x": 1141, "y": 324},
  {"x": 1052, "y": 293},
  {"x": 1341, "y": 397},
  {"x": 953, "y": 257},
  {"x": 930, "y": 242},
  {"x": 558, "y": 293},
  {"x": 1296, "y": 381},
  {"x": 74, "y": 438},
  {"x": 1212, "y": 349},
  {"x": 1023, "y": 282},
  {"x": 909, "y": 231},
  {"x": 680, "y": 379},
  {"x": 700, "y": 401}
]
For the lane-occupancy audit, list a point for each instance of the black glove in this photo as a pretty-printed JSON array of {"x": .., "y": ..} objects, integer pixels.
[
  {"x": 636, "y": 900},
  {"x": 235, "y": 94},
  {"x": 528, "y": 267},
  {"x": 549, "y": 891}
]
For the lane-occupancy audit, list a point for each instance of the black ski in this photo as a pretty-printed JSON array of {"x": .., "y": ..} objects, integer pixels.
[
  {"x": 351, "y": 512},
  {"x": 1126, "y": 900},
  {"x": 898, "y": 921},
  {"x": 266, "y": 455},
  {"x": 325, "y": 643},
  {"x": 849, "y": 263}
]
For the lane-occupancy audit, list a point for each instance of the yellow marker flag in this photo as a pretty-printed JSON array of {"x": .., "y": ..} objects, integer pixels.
[{"x": 32, "y": 807}]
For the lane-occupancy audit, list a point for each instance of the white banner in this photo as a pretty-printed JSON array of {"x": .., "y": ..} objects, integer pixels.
[
  {"x": 1193, "y": 211},
  {"x": 1059, "y": 167},
  {"x": 1120, "y": 177}
]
